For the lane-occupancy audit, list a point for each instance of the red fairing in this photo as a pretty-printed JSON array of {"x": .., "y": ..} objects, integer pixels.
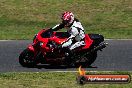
[
  {"x": 88, "y": 42},
  {"x": 30, "y": 47},
  {"x": 58, "y": 40}
]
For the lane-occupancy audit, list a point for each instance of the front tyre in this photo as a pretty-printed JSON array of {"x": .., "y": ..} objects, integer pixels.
[{"x": 26, "y": 58}]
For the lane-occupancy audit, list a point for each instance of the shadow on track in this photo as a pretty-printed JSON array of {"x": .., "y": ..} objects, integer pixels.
[{"x": 58, "y": 66}]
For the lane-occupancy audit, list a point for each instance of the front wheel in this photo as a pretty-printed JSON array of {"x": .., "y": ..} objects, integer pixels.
[{"x": 26, "y": 58}]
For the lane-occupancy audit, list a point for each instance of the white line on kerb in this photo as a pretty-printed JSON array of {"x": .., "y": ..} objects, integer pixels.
[
  {"x": 117, "y": 39},
  {"x": 85, "y": 71},
  {"x": 6, "y": 40}
]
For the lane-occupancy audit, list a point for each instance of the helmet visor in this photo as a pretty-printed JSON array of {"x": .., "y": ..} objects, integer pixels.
[{"x": 65, "y": 22}]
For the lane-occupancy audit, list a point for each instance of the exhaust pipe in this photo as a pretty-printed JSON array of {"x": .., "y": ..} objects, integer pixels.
[{"x": 99, "y": 47}]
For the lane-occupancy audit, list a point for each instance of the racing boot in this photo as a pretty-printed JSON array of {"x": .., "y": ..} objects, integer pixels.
[{"x": 69, "y": 57}]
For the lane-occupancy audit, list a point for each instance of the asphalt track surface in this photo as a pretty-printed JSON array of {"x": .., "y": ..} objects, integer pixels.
[{"x": 116, "y": 57}]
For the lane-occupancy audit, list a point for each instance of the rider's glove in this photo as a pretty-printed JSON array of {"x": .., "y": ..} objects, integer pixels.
[
  {"x": 50, "y": 29},
  {"x": 59, "y": 47}
]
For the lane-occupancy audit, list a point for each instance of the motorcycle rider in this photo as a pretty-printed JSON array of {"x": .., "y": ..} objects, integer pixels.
[{"x": 74, "y": 28}]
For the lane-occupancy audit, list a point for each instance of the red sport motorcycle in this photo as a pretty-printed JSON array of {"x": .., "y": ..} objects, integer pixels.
[{"x": 44, "y": 50}]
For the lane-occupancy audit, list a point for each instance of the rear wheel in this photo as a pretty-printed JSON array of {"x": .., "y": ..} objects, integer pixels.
[
  {"x": 88, "y": 59},
  {"x": 91, "y": 58},
  {"x": 26, "y": 58}
]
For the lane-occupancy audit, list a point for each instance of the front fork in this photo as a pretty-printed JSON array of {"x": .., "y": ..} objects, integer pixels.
[
  {"x": 31, "y": 48},
  {"x": 37, "y": 53}
]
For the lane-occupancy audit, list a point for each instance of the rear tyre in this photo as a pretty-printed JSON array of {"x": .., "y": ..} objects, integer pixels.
[
  {"x": 26, "y": 58},
  {"x": 89, "y": 59}
]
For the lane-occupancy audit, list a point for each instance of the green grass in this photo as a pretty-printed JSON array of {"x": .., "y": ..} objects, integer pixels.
[
  {"x": 52, "y": 80},
  {"x": 21, "y": 19}
]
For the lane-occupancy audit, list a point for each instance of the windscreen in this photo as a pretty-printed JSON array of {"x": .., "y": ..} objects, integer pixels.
[
  {"x": 62, "y": 34},
  {"x": 47, "y": 34}
]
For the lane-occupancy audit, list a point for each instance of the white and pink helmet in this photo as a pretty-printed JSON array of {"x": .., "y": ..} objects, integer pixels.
[{"x": 67, "y": 18}]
